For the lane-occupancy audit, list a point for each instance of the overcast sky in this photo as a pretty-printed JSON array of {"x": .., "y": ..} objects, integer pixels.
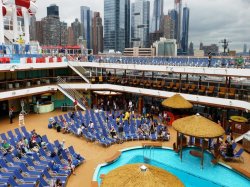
[{"x": 210, "y": 20}]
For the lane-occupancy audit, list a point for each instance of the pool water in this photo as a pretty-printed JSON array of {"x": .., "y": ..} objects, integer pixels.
[{"x": 188, "y": 171}]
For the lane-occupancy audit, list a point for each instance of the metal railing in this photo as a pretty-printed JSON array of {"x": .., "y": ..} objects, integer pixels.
[
  {"x": 80, "y": 70},
  {"x": 71, "y": 93}
]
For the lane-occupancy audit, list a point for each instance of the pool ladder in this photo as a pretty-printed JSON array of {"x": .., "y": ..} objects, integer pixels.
[{"x": 146, "y": 150}]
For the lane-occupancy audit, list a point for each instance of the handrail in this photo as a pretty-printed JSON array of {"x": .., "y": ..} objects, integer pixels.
[
  {"x": 79, "y": 69},
  {"x": 72, "y": 92}
]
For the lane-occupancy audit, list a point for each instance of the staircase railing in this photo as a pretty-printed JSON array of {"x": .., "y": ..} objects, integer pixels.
[
  {"x": 80, "y": 70},
  {"x": 71, "y": 93}
]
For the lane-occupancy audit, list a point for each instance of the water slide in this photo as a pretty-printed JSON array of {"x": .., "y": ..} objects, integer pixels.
[{"x": 242, "y": 136}]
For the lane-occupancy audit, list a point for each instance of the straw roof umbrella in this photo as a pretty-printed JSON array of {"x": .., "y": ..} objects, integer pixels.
[
  {"x": 198, "y": 126},
  {"x": 132, "y": 175},
  {"x": 177, "y": 102}
]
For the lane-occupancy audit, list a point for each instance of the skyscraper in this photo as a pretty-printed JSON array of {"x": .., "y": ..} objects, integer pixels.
[
  {"x": 245, "y": 49},
  {"x": 86, "y": 20},
  {"x": 174, "y": 16},
  {"x": 185, "y": 30},
  {"x": 97, "y": 30},
  {"x": 33, "y": 28},
  {"x": 191, "y": 49},
  {"x": 178, "y": 8},
  {"x": 116, "y": 24},
  {"x": 140, "y": 23},
  {"x": 77, "y": 31},
  {"x": 157, "y": 15},
  {"x": 53, "y": 31},
  {"x": 168, "y": 27},
  {"x": 53, "y": 10}
]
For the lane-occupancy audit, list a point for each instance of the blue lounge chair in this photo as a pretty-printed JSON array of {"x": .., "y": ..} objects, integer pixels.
[{"x": 236, "y": 155}]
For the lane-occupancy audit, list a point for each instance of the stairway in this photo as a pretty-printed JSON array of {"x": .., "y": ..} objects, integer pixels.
[
  {"x": 76, "y": 67},
  {"x": 71, "y": 93}
]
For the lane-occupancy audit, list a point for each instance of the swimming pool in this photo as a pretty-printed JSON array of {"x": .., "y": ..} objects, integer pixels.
[{"x": 188, "y": 171}]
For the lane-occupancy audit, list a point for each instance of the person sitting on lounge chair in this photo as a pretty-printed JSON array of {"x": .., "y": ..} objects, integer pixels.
[
  {"x": 113, "y": 132},
  {"x": 229, "y": 150}
]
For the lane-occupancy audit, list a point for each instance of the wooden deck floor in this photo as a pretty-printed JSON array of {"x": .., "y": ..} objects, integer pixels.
[{"x": 94, "y": 153}]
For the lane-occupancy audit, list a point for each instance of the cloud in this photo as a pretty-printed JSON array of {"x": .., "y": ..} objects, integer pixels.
[{"x": 210, "y": 20}]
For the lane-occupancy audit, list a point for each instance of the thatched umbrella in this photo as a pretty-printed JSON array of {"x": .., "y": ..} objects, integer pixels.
[
  {"x": 135, "y": 175},
  {"x": 198, "y": 126},
  {"x": 239, "y": 119},
  {"x": 177, "y": 102}
]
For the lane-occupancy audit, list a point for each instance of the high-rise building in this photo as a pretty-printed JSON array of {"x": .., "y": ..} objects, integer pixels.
[
  {"x": 157, "y": 15},
  {"x": 77, "y": 31},
  {"x": 174, "y": 16},
  {"x": 245, "y": 49},
  {"x": 97, "y": 30},
  {"x": 33, "y": 28},
  {"x": 154, "y": 36},
  {"x": 71, "y": 39},
  {"x": 127, "y": 23},
  {"x": 53, "y": 31},
  {"x": 53, "y": 10},
  {"x": 168, "y": 27},
  {"x": 191, "y": 49},
  {"x": 86, "y": 20},
  {"x": 178, "y": 8},
  {"x": 39, "y": 31},
  {"x": 116, "y": 24},
  {"x": 63, "y": 34},
  {"x": 140, "y": 23},
  {"x": 185, "y": 30}
]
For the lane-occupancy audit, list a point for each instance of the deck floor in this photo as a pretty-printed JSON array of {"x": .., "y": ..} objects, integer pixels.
[{"x": 94, "y": 153}]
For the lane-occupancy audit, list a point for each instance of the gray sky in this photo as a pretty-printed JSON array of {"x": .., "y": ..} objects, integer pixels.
[{"x": 210, "y": 20}]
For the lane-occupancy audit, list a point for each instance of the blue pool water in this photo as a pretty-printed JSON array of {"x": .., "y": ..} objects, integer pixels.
[{"x": 188, "y": 171}]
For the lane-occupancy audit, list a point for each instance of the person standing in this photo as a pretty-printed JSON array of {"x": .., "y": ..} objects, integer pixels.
[
  {"x": 11, "y": 110},
  {"x": 75, "y": 105},
  {"x": 37, "y": 106}
]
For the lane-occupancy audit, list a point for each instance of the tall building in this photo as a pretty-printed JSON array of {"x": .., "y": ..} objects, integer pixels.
[
  {"x": 154, "y": 36},
  {"x": 71, "y": 39},
  {"x": 127, "y": 23},
  {"x": 185, "y": 30},
  {"x": 77, "y": 31},
  {"x": 191, "y": 49},
  {"x": 178, "y": 8},
  {"x": 245, "y": 49},
  {"x": 116, "y": 24},
  {"x": 39, "y": 31},
  {"x": 174, "y": 16},
  {"x": 140, "y": 23},
  {"x": 86, "y": 20},
  {"x": 157, "y": 15},
  {"x": 63, "y": 34},
  {"x": 53, "y": 10},
  {"x": 97, "y": 30},
  {"x": 53, "y": 31},
  {"x": 168, "y": 27},
  {"x": 33, "y": 28}
]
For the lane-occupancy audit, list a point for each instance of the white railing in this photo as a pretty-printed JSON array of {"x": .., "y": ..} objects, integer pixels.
[
  {"x": 79, "y": 69},
  {"x": 71, "y": 93}
]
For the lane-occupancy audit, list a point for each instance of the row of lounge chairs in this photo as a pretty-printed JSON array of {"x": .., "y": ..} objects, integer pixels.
[
  {"x": 171, "y": 86},
  {"x": 35, "y": 168},
  {"x": 170, "y": 61},
  {"x": 101, "y": 130}
]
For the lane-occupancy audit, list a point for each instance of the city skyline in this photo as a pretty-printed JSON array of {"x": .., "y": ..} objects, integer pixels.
[{"x": 232, "y": 22}]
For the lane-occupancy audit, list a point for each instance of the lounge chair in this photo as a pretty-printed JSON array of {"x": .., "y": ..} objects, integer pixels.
[{"x": 236, "y": 155}]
